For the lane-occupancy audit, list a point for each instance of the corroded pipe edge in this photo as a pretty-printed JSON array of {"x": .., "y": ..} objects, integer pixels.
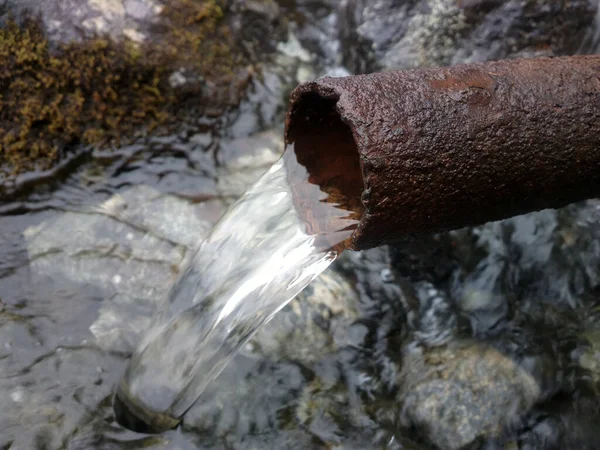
[{"x": 444, "y": 148}]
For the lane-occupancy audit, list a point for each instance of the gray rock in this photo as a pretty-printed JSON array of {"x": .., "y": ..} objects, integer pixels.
[
  {"x": 463, "y": 392},
  {"x": 562, "y": 425},
  {"x": 49, "y": 401},
  {"x": 124, "y": 253},
  {"x": 93, "y": 280},
  {"x": 387, "y": 34},
  {"x": 548, "y": 256},
  {"x": 588, "y": 359},
  {"x": 68, "y": 20},
  {"x": 252, "y": 395}
]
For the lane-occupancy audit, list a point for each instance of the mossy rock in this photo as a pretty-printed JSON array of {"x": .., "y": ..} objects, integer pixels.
[{"x": 54, "y": 96}]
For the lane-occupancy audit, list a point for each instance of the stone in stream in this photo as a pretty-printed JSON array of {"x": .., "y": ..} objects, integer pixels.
[
  {"x": 140, "y": 20},
  {"x": 243, "y": 160},
  {"x": 458, "y": 394},
  {"x": 304, "y": 373},
  {"x": 94, "y": 281},
  {"x": 99, "y": 270},
  {"x": 526, "y": 288},
  {"x": 586, "y": 356}
]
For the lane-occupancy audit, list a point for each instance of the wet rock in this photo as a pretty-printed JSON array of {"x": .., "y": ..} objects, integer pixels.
[
  {"x": 543, "y": 263},
  {"x": 48, "y": 401},
  {"x": 463, "y": 392},
  {"x": 381, "y": 294},
  {"x": 315, "y": 26},
  {"x": 84, "y": 273},
  {"x": 591, "y": 40},
  {"x": 76, "y": 245},
  {"x": 331, "y": 410},
  {"x": 257, "y": 25},
  {"x": 423, "y": 269},
  {"x": 124, "y": 251},
  {"x": 389, "y": 309},
  {"x": 328, "y": 412},
  {"x": 430, "y": 258},
  {"x": 399, "y": 35},
  {"x": 547, "y": 342},
  {"x": 96, "y": 275},
  {"x": 587, "y": 357},
  {"x": 310, "y": 47},
  {"x": 527, "y": 287},
  {"x": 141, "y": 279},
  {"x": 483, "y": 300}
]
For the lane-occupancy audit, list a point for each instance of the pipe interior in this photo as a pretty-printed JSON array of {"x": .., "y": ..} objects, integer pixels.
[{"x": 325, "y": 146}]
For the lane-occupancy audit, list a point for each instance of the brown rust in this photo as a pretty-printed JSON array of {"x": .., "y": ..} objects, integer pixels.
[{"x": 443, "y": 148}]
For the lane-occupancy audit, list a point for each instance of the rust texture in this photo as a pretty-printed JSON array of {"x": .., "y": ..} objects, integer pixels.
[{"x": 444, "y": 148}]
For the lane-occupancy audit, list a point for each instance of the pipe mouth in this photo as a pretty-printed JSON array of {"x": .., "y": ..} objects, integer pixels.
[
  {"x": 324, "y": 144},
  {"x": 135, "y": 417}
]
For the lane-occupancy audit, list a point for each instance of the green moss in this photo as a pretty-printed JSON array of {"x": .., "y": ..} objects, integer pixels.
[
  {"x": 99, "y": 91},
  {"x": 194, "y": 35}
]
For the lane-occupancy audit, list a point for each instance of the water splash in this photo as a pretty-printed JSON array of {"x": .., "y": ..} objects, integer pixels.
[{"x": 259, "y": 256}]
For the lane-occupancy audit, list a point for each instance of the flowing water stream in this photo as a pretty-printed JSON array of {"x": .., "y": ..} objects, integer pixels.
[{"x": 280, "y": 235}]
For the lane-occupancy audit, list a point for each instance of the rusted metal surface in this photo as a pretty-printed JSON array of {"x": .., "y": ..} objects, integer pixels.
[{"x": 443, "y": 148}]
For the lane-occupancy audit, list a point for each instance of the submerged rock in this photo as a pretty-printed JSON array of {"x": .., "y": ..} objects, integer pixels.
[
  {"x": 84, "y": 271},
  {"x": 463, "y": 392},
  {"x": 315, "y": 323}
]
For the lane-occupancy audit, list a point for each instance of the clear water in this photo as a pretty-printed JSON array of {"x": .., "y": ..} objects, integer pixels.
[{"x": 259, "y": 257}]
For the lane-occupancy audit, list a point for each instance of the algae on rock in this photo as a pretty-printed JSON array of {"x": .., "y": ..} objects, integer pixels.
[{"x": 100, "y": 91}]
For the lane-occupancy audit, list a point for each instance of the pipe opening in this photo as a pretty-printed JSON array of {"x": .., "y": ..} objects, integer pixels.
[{"x": 324, "y": 145}]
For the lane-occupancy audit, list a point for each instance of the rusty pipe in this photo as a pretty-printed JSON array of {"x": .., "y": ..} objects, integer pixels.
[{"x": 436, "y": 149}]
